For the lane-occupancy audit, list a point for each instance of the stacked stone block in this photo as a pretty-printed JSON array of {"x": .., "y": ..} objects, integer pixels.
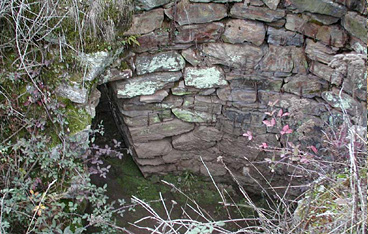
[{"x": 205, "y": 71}]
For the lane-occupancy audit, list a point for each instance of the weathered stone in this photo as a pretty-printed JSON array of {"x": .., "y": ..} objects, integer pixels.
[
  {"x": 324, "y": 7},
  {"x": 193, "y": 116},
  {"x": 203, "y": 78},
  {"x": 284, "y": 59},
  {"x": 146, "y": 22},
  {"x": 95, "y": 63},
  {"x": 296, "y": 106},
  {"x": 281, "y": 37},
  {"x": 241, "y": 11},
  {"x": 149, "y": 4},
  {"x": 152, "y": 41},
  {"x": 355, "y": 5},
  {"x": 254, "y": 2},
  {"x": 145, "y": 85},
  {"x": 191, "y": 56},
  {"x": 272, "y": 4},
  {"x": 219, "y": 1},
  {"x": 255, "y": 81},
  {"x": 153, "y": 148},
  {"x": 305, "y": 86},
  {"x": 332, "y": 35},
  {"x": 93, "y": 100},
  {"x": 146, "y": 118},
  {"x": 160, "y": 130},
  {"x": 356, "y": 25},
  {"x": 164, "y": 61},
  {"x": 300, "y": 23},
  {"x": 238, "y": 56},
  {"x": 199, "y": 33},
  {"x": 326, "y": 72},
  {"x": 134, "y": 104},
  {"x": 319, "y": 52},
  {"x": 343, "y": 101},
  {"x": 324, "y": 19},
  {"x": 176, "y": 156},
  {"x": 197, "y": 13},
  {"x": 352, "y": 67},
  {"x": 156, "y": 97},
  {"x": 207, "y": 134},
  {"x": 114, "y": 74},
  {"x": 73, "y": 93},
  {"x": 150, "y": 161},
  {"x": 209, "y": 104},
  {"x": 239, "y": 31},
  {"x": 189, "y": 141}
]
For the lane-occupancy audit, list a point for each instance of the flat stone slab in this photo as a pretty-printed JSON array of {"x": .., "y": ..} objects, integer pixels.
[
  {"x": 199, "y": 33},
  {"x": 242, "y": 11},
  {"x": 189, "y": 141},
  {"x": 145, "y": 85},
  {"x": 164, "y": 61},
  {"x": 149, "y": 4},
  {"x": 238, "y": 56},
  {"x": 325, "y": 72},
  {"x": 156, "y": 97},
  {"x": 272, "y": 4},
  {"x": 319, "y": 52},
  {"x": 204, "y": 77},
  {"x": 153, "y": 148},
  {"x": 146, "y": 22},
  {"x": 284, "y": 59},
  {"x": 356, "y": 25},
  {"x": 239, "y": 31},
  {"x": 281, "y": 37},
  {"x": 323, "y": 7},
  {"x": 305, "y": 86},
  {"x": 160, "y": 130},
  {"x": 197, "y": 13},
  {"x": 193, "y": 116}
]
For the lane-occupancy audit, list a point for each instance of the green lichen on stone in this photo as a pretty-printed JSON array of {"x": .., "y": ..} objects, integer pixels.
[
  {"x": 204, "y": 78},
  {"x": 193, "y": 116},
  {"x": 139, "y": 88},
  {"x": 336, "y": 101}
]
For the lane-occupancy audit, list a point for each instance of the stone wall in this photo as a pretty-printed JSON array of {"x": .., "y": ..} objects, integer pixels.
[{"x": 206, "y": 70}]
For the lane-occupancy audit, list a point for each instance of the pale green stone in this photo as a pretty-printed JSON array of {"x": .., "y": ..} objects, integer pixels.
[
  {"x": 193, "y": 116},
  {"x": 204, "y": 78}
]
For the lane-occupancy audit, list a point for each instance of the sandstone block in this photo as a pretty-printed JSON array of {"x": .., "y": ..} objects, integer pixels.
[
  {"x": 146, "y": 22},
  {"x": 242, "y": 11},
  {"x": 153, "y": 148},
  {"x": 199, "y": 33}
]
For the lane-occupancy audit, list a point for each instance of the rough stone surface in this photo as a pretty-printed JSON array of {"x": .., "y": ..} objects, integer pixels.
[
  {"x": 332, "y": 35},
  {"x": 160, "y": 130},
  {"x": 153, "y": 148},
  {"x": 326, "y": 72},
  {"x": 324, "y": 7},
  {"x": 305, "y": 86},
  {"x": 145, "y": 85},
  {"x": 219, "y": 1},
  {"x": 164, "y": 61},
  {"x": 241, "y": 11},
  {"x": 95, "y": 63},
  {"x": 156, "y": 97},
  {"x": 73, "y": 93},
  {"x": 114, "y": 74},
  {"x": 204, "y": 78},
  {"x": 343, "y": 101},
  {"x": 152, "y": 41},
  {"x": 191, "y": 56},
  {"x": 193, "y": 116},
  {"x": 281, "y": 37},
  {"x": 356, "y": 25},
  {"x": 284, "y": 59},
  {"x": 189, "y": 141},
  {"x": 196, "y": 13},
  {"x": 239, "y": 31},
  {"x": 238, "y": 56},
  {"x": 146, "y": 22},
  {"x": 272, "y": 4},
  {"x": 199, "y": 33},
  {"x": 149, "y": 4},
  {"x": 319, "y": 52}
]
